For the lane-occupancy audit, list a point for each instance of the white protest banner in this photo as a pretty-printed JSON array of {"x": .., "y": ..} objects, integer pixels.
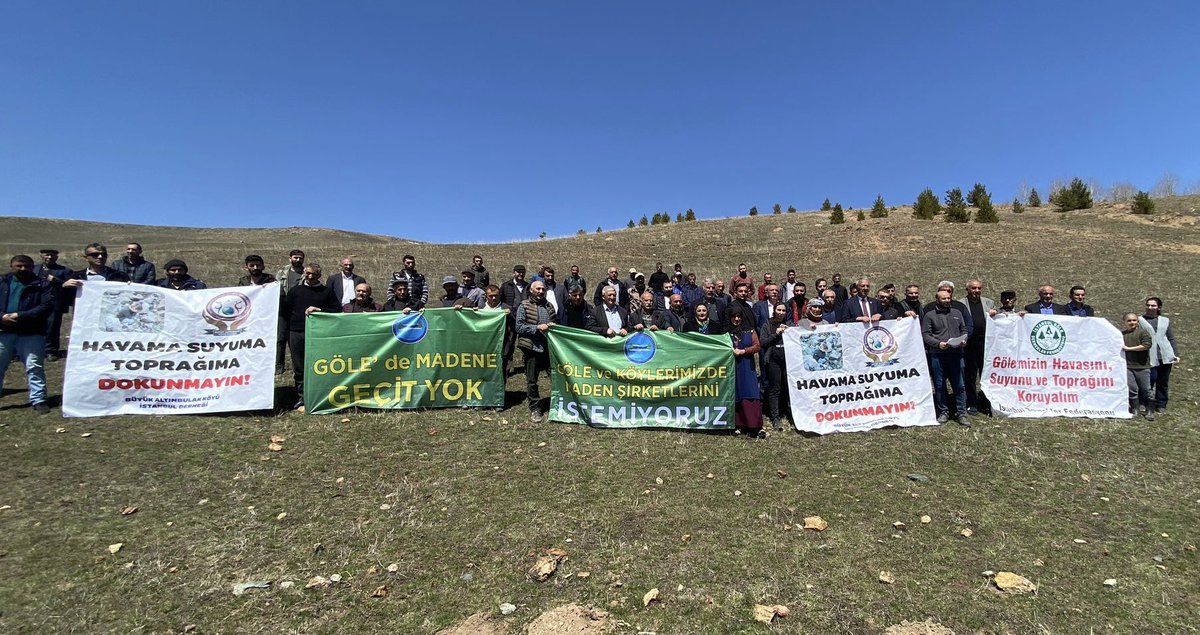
[
  {"x": 141, "y": 349},
  {"x": 852, "y": 377},
  {"x": 1054, "y": 366}
]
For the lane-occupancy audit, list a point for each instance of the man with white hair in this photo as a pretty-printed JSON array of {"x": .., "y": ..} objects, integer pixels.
[{"x": 535, "y": 316}]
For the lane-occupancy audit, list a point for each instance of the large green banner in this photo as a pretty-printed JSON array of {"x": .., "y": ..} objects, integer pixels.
[
  {"x": 435, "y": 358},
  {"x": 644, "y": 380}
]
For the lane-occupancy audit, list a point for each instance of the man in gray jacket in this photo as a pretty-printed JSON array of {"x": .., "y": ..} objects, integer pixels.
[{"x": 944, "y": 330}]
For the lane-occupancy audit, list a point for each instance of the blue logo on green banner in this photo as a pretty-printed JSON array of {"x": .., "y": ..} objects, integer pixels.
[
  {"x": 639, "y": 348},
  {"x": 410, "y": 328}
]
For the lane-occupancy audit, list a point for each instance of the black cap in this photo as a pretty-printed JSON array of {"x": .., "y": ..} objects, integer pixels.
[
  {"x": 519, "y": 268},
  {"x": 49, "y": 252},
  {"x": 171, "y": 264}
]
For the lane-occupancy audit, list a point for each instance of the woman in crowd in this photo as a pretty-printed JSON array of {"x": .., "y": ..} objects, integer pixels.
[
  {"x": 774, "y": 366},
  {"x": 1163, "y": 352},
  {"x": 701, "y": 322},
  {"x": 748, "y": 413}
]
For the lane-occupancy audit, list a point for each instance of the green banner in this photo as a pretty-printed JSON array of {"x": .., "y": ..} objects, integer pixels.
[
  {"x": 436, "y": 358},
  {"x": 644, "y": 380}
]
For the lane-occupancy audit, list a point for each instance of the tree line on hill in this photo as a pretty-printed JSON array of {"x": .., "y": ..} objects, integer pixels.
[{"x": 956, "y": 207}]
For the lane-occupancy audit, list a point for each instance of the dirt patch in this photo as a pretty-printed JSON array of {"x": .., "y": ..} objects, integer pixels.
[
  {"x": 477, "y": 624},
  {"x": 928, "y": 627},
  {"x": 572, "y": 619}
]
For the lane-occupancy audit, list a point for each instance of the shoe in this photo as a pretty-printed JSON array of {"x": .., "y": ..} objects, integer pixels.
[
  {"x": 535, "y": 415},
  {"x": 776, "y": 424},
  {"x": 41, "y": 408},
  {"x": 1141, "y": 410},
  {"x": 943, "y": 418},
  {"x": 498, "y": 409},
  {"x": 1149, "y": 415},
  {"x": 299, "y": 405},
  {"x": 973, "y": 411},
  {"x": 964, "y": 422},
  {"x": 761, "y": 434}
]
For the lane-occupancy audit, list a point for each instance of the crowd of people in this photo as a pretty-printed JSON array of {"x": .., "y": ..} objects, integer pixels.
[{"x": 753, "y": 314}]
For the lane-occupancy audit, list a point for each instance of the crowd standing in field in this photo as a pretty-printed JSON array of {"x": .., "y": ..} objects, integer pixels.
[{"x": 34, "y": 297}]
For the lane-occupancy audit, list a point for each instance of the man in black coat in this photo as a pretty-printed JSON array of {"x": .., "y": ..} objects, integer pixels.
[
  {"x": 342, "y": 284},
  {"x": 1045, "y": 304},
  {"x": 26, "y": 303},
  {"x": 56, "y": 274},
  {"x": 306, "y": 298}
]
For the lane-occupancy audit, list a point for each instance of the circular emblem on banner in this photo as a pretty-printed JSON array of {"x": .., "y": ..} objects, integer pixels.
[
  {"x": 879, "y": 345},
  {"x": 410, "y": 328},
  {"x": 639, "y": 348},
  {"x": 227, "y": 311},
  {"x": 1048, "y": 337}
]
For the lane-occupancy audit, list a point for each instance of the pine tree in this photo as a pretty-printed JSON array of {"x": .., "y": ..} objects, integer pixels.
[
  {"x": 1077, "y": 195},
  {"x": 986, "y": 212},
  {"x": 690, "y": 215},
  {"x": 825, "y": 206},
  {"x": 1018, "y": 208},
  {"x": 927, "y": 205},
  {"x": 777, "y": 209},
  {"x": 598, "y": 230},
  {"x": 837, "y": 216},
  {"x": 976, "y": 195},
  {"x": 1142, "y": 203},
  {"x": 1034, "y": 199},
  {"x": 666, "y": 218},
  {"x": 644, "y": 222},
  {"x": 837, "y": 208},
  {"x": 791, "y": 209},
  {"x": 679, "y": 217},
  {"x": 879, "y": 209},
  {"x": 956, "y": 207},
  {"x": 861, "y": 215},
  {"x": 632, "y": 224},
  {"x": 754, "y": 211}
]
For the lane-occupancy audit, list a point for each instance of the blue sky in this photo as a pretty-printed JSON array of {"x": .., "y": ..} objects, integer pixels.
[{"x": 489, "y": 121}]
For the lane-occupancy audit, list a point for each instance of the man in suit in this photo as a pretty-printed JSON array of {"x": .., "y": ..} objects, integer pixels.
[
  {"x": 613, "y": 281},
  {"x": 672, "y": 318},
  {"x": 54, "y": 273},
  {"x": 978, "y": 310},
  {"x": 1045, "y": 304},
  {"x": 766, "y": 306},
  {"x": 1076, "y": 306},
  {"x": 612, "y": 318},
  {"x": 861, "y": 307},
  {"x": 342, "y": 284}
]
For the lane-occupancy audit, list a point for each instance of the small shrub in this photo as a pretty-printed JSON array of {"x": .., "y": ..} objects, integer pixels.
[
  {"x": 956, "y": 207},
  {"x": 861, "y": 215},
  {"x": 879, "y": 209},
  {"x": 1142, "y": 203},
  {"x": 1034, "y": 199},
  {"x": 1018, "y": 208},
  {"x": 777, "y": 209},
  {"x": 837, "y": 216},
  {"x": 1077, "y": 195},
  {"x": 927, "y": 206},
  {"x": 986, "y": 212},
  {"x": 791, "y": 209},
  {"x": 754, "y": 211}
]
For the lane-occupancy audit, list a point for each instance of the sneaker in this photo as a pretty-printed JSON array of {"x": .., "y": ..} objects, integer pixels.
[
  {"x": 1149, "y": 415},
  {"x": 973, "y": 411},
  {"x": 761, "y": 434},
  {"x": 776, "y": 424},
  {"x": 964, "y": 422},
  {"x": 535, "y": 415},
  {"x": 943, "y": 418},
  {"x": 41, "y": 408}
]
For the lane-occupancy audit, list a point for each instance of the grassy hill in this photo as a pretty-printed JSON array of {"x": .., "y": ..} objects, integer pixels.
[{"x": 461, "y": 501}]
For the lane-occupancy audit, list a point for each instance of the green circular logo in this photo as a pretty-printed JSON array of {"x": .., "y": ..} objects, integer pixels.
[{"x": 1048, "y": 337}]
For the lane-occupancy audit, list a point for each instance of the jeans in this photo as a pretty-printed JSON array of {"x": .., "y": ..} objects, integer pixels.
[
  {"x": 1160, "y": 378},
  {"x": 1139, "y": 388},
  {"x": 948, "y": 365},
  {"x": 535, "y": 363},
  {"x": 30, "y": 349}
]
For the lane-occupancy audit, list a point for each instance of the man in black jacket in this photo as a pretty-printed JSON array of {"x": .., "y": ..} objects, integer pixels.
[
  {"x": 26, "y": 303},
  {"x": 515, "y": 291},
  {"x": 1045, "y": 304},
  {"x": 55, "y": 273},
  {"x": 306, "y": 298}
]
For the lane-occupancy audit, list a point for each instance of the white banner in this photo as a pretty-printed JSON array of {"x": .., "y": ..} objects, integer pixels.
[
  {"x": 851, "y": 377},
  {"x": 140, "y": 349},
  {"x": 1054, "y": 366}
]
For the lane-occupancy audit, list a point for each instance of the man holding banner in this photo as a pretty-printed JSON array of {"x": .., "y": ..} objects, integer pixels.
[{"x": 534, "y": 318}]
